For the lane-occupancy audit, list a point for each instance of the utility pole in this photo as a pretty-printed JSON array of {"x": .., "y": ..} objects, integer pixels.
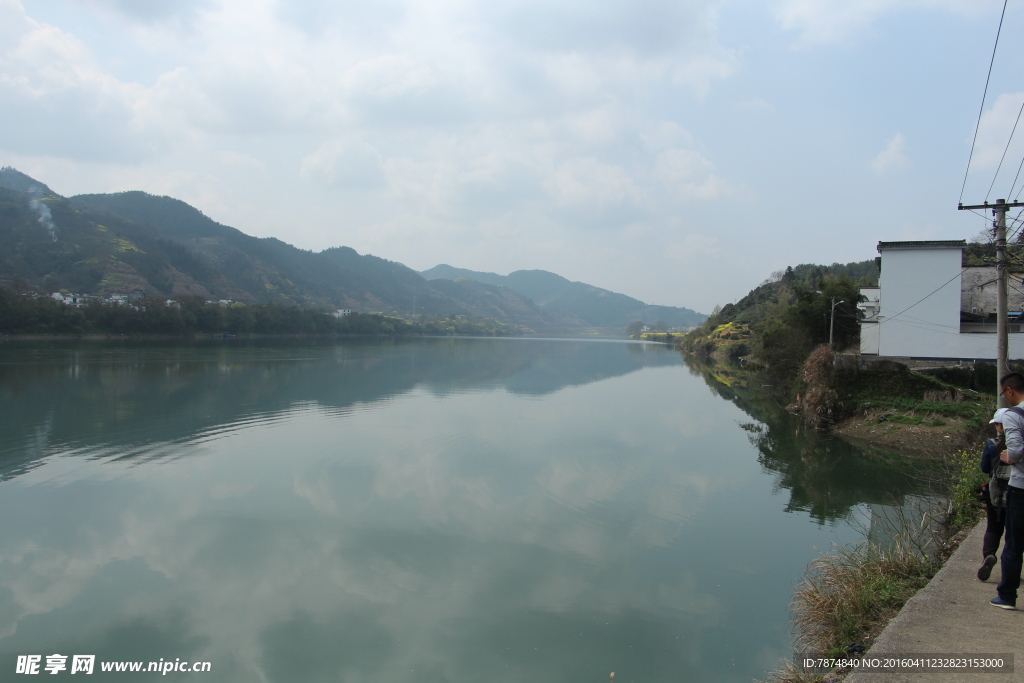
[
  {"x": 832, "y": 322},
  {"x": 999, "y": 210}
]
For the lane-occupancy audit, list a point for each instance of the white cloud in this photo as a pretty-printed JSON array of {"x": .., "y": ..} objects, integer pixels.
[
  {"x": 827, "y": 21},
  {"x": 687, "y": 175},
  {"x": 58, "y": 101},
  {"x": 894, "y": 155},
  {"x": 180, "y": 12},
  {"x": 664, "y": 134},
  {"x": 693, "y": 246},
  {"x": 450, "y": 130},
  {"x": 386, "y": 76},
  {"x": 756, "y": 106},
  {"x": 994, "y": 129},
  {"x": 590, "y": 182},
  {"x": 353, "y": 165}
]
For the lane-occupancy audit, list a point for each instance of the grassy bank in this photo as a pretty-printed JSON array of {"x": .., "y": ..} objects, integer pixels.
[
  {"x": 917, "y": 413},
  {"x": 848, "y": 596}
]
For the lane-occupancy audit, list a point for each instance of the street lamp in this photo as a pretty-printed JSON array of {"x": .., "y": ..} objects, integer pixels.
[{"x": 832, "y": 316}]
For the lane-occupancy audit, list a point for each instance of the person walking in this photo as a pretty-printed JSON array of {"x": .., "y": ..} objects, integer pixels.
[
  {"x": 1012, "y": 388},
  {"x": 995, "y": 510}
]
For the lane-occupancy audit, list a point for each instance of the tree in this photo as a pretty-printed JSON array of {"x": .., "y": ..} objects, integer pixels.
[{"x": 634, "y": 328}]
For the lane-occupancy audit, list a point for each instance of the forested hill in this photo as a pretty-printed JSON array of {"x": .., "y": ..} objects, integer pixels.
[
  {"x": 596, "y": 306},
  {"x": 119, "y": 243},
  {"x": 763, "y": 300},
  {"x": 779, "y": 322},
  {"x": 130, "y": 241}
]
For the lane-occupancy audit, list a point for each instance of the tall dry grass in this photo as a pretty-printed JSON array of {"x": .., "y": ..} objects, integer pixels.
[{"x": 844, "y": 594}]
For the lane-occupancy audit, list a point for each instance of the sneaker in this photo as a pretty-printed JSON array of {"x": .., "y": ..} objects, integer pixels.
[
  {"x": 999, "y": 602},
  {"x": 985, "y": 570}
]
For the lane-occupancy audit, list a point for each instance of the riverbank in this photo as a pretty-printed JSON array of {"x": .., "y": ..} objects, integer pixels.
[
  {"x": 891, "y": 612},
  {"x": 886, "y": 407},
  {"x": 929, "y": 439},
  {"x": 850, "y": 594},
  {"x": 951, "y": 615}
]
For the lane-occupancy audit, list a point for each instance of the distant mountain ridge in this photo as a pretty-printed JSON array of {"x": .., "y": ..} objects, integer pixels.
[
  {"x": 595, "y": 306},
  {"x": 120, "y": 242}
]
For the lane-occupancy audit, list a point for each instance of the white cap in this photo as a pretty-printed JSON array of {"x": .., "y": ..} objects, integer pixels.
[{"x": 998, "y": 417}]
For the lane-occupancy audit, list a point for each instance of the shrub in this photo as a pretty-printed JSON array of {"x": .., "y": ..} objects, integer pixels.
[
  {"x": 966, "y": 478},
  {"x": 820, "y": 403}
]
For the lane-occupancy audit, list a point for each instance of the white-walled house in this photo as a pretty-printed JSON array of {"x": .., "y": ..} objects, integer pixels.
[
  {"x": 929, "y": 306},
  {"x": 868, "y": 330},
  {"x": 76, "y": 300}
]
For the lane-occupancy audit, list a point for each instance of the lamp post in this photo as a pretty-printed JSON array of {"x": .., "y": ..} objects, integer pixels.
[
  {"x": 831, "y": 317},
  {"x": 832, "y": 321}
]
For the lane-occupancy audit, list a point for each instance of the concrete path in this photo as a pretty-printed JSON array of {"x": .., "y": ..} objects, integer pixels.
[{"x": 952, "y": 615}]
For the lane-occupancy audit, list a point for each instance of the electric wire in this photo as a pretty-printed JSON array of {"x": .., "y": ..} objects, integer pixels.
[
  {"x": 1002, "y": 158},
  {"x": 920, "y": 321},
  {"x": 893, "y": 317},
  {"x": 1014, "y": 184},
  {"x": 926, "y": 329},
  {"x": 984, "y": 94}
]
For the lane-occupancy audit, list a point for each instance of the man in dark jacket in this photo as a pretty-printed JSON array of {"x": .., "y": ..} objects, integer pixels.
[{"x": 1012, "y": 387}]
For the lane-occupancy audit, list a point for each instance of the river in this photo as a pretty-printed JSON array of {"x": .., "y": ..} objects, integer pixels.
[{"x": 421, "y": 510}]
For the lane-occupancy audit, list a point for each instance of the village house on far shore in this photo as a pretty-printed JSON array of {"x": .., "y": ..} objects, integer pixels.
[{"x": 929, "y": 306}]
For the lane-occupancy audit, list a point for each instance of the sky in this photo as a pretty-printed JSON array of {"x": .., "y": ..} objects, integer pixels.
[{"x": 678, "y": 151}]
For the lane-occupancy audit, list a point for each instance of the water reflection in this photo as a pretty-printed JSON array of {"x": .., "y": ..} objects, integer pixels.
[
  {"x": 824, "y": 475},
  {"x": 68, "y": 396},
  {"x": 438, "y": 510}
]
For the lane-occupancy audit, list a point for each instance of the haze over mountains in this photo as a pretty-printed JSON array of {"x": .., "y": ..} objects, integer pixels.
[
  {"x": 598, "y": 307},
  {"x": 117, "y": 243}
]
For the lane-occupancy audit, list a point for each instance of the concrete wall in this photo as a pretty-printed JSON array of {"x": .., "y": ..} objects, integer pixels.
[
  {"x": 978, "y": 290},
  {"x": 869, "y": 309},
  {"x": 920, "y": 308},
  {"x": 869, "y": 339}
]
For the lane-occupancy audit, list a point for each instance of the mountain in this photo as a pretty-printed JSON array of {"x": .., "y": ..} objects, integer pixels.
[
  {"x": 117, "y": 243},
  {"x": 594, "y": 306}
]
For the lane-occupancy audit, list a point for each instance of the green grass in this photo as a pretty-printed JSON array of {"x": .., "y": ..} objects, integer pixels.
[
  {"x": 966, "y": 409},
  {"x": 903, "y": 392},
  {"x": 966, "y": 477},
  {"x": 915, "y": 420},
  {"x": 906, "y": 419}
]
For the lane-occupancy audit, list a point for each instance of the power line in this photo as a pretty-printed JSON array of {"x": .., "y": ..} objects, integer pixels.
[
  {"x": 920, "y": 321},
  {"x": 1005, "y": 149},
  {"x": 984, "y": 94},
  {"x": 978, "y": 214},
  {"x": 926, "y": 329},
  {"x": 1014, "y": 184},
  {"x": 924, "y": 297}
]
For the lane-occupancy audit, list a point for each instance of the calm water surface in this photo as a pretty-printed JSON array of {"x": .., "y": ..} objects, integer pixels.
[{"x": 426, "y": 510}]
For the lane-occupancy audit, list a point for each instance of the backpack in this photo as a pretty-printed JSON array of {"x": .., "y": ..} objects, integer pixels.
[{"x": 1001, "y": 475}]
